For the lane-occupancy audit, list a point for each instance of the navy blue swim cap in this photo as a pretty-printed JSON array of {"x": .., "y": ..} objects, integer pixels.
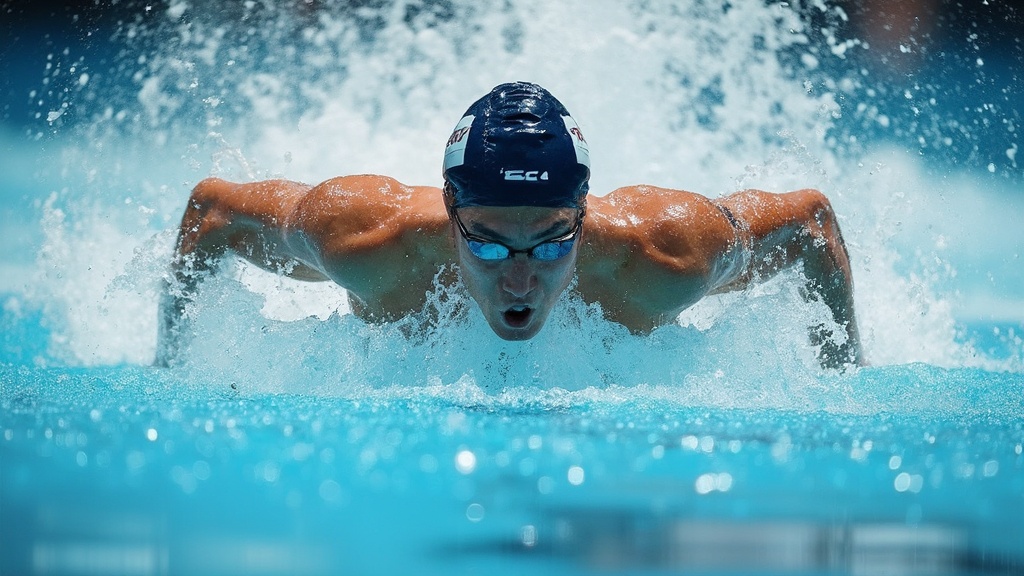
[{"x": 517, "y": 146}]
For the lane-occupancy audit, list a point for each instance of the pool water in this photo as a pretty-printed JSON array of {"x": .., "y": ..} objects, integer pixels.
[
  {"x": 131, "y": 471},
  {"x": 295, "y": 439}
]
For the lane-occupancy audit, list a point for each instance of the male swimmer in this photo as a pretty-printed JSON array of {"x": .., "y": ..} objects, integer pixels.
[{"x": 515, "y": 220}]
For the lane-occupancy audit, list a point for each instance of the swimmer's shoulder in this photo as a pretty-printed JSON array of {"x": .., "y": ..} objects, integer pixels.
[
  {"x": 366, "y": 202},
  {"x": 376, "y": 192},
  {"x": 676, "y": 230},
  {"x": 644, "y": 209},
  {"x": 377, "y": 237}
]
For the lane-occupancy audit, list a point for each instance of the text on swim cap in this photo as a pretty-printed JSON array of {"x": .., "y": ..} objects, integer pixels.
[
  {"x": 458, "y": 135},
  {"x": 455, "y": 150},
  {"x": 527, "y": 175}
]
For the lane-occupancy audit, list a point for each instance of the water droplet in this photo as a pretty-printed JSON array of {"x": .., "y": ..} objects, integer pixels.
[
  {"x": 576, "y": 475},
  {"x": 528, "y": 535},
  {"x": 689, "y": 442},
  {"x": 705, "y": 483},
  {"x": 707, "y": 444},
  {"x": 465, "y": 462}
]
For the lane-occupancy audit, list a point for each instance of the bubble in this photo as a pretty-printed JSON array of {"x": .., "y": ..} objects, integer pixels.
[
  {"x": 475, "y": 512},
  {"x": 201, "y": 470},
  {"x": 545, "y": 485},
  {"x": 428, "y": 463},
  {"x": 330, "y": 491},
  {"x": 990, "y": 468}
]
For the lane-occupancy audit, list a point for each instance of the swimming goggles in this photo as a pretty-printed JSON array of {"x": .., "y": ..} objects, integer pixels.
[{"x": 548, "y": 250}]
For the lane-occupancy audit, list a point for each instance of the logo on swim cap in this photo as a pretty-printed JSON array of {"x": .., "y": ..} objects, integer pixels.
[
  {"x": 517, "y": 146},
  {"x": 455, "y": 152},
  {"x": 578, "y": 141}
]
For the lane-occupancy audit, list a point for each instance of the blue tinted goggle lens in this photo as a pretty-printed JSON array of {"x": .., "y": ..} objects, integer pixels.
[{"x": 546, "y": 251}]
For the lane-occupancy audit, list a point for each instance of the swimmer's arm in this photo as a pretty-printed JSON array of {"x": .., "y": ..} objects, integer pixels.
[
  {"x": 781, "y": 230},
  {"x": 247, "y": 219},
  {"x": 349, "y": 229}
]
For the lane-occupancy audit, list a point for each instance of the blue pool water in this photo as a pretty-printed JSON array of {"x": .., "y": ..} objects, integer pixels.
[{"x": 294, "y": 439}]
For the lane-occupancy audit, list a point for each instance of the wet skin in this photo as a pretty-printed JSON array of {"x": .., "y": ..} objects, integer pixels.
[{"x": 645, "y": 254}]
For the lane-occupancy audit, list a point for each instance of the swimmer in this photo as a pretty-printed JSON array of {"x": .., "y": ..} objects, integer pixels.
[{"x": 515, "y": 220}]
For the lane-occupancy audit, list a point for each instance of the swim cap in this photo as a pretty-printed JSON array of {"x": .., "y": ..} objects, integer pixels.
[{"x": 517, "y": 146}]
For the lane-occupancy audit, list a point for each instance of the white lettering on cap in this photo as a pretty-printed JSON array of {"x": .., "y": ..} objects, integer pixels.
[
  {"x": 578, "y": 141},
  {"x": 526, "y": 175},
  {"x": 455, "y": 151}
]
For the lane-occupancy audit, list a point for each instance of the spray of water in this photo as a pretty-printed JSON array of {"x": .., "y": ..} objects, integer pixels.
[{"x": 703, "y": 96}]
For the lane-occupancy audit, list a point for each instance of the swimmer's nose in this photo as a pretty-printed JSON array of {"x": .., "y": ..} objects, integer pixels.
[{"x": 518, "y": 278}]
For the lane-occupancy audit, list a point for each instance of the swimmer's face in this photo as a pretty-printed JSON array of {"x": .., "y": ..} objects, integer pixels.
[{"x": 516, "y": 294}]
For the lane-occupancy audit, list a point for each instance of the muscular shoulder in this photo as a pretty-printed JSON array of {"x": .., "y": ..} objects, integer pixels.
[
  {"x": 366, "y": 210},
  {"x": 651, "y": 252},
  {"x": 362, "y": 198},
  {"x": 673, "y": 228}
]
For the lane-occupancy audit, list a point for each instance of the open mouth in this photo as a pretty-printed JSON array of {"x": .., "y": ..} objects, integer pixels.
[{"x": 517, "y": 316}]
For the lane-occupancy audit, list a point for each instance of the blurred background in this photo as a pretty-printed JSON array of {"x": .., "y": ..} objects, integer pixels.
[{"x": 943, "y": 78}]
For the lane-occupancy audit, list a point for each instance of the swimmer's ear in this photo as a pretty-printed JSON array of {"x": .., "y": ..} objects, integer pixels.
[{"x": 448, "y": 192}]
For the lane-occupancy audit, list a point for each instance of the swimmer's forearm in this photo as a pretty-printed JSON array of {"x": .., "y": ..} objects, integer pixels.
[
  {"x": 831, "y": 282},
  {"x": 829, "y": 278},
  {"x": 199, "y": 244},
  {"x": 800, "y": 228},
  {"x": 177, "y": 292},
  {"x": 170, "y": 320}
]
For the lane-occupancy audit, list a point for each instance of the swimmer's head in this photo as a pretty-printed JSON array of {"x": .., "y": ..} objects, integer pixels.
[{"x": 516, "y": 146}]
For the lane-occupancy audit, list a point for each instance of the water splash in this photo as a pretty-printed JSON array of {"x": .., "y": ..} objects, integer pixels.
[{"x": 665, "y": 95}]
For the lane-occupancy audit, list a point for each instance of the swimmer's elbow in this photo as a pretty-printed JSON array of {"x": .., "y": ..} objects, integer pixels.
[
  {"x": 817, "y": 209},
  {"x": 205, "y": 224}
]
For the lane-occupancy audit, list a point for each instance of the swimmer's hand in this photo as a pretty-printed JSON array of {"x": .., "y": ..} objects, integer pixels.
[
  {"x": 177, "y": 292},
  {"x": 171, "y": 323},
  {"x": 837, "y": 351}
]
